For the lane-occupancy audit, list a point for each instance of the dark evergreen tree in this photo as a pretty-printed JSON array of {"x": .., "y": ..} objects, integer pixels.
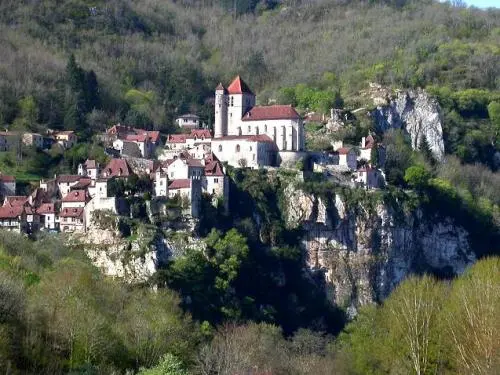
[
  {"x": 425, "y": 149},
  {"x": 92, "y": 98}
]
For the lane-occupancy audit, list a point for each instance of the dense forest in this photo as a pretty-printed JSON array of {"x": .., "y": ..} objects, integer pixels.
[
  {"x": 248, "y": 303},
  {"x": 59, "y": 315}
]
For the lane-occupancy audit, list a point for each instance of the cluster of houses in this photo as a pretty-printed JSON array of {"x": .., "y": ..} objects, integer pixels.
[
  {"x": 66, "y": 203},
  {"x": 186, "y": 165},
  {"x": 13, "y": 141}
]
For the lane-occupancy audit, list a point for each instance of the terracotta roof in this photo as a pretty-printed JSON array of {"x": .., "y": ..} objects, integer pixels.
[
  {"x": 199, "y": 133},
  {"x": 214, "y": 168},
  {"x": 10, "y": 212},
  {"x": 16, "y": 200},
  {"x": 271, "y": 112},
  {"x": 369, "y": 142},
  {"x": 90, "y": 164},
  {"x": 136, "y": 137},
  {"x": 176, "y": 138},
  {"x": 154, "y": 135},
  {"x": 46, "y": 208},
  {"x": 238, "y": 86},
  {"x": 343, "y": 150},
  {"x": 29, "y": 210},
  {"x": 71, "y": 212},
  {"x": 180, "y": 184},
  {"x": 117, "y": 168},
  {"x": 68, "y": 178},
  {"x": 76, "y": 196},
  {"x": 6, "y": 178},
  {"x": 81, "y": 184},
  {"x": 118, "y": 129}
]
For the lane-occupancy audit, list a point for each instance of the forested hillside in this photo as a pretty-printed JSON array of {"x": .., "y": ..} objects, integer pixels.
[{"x": 155, "y": 59}]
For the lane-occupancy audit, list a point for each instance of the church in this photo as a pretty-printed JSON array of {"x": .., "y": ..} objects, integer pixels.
[{"x": 246, "y": 135}]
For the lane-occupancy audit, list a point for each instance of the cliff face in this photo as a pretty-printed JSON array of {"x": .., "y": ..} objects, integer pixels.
[
  {"x": 366, "y": 249},
  {"x": 415, "y": 112}
]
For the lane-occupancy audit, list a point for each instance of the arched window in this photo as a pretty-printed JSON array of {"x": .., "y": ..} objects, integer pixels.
[
  {"x": 239, "y": 130},
  {"x": 237, "y": 148},
  {"x": 257, "y": 130},
  {"x": 265, "y": 128},
  {"x": 220, "y": 148},
  {"x": 232, "y": 101}
]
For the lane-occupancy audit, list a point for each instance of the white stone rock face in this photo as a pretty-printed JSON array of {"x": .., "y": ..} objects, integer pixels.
[
  {"x": 365, "y": 251},
  {"x": 418, "y": 114}
]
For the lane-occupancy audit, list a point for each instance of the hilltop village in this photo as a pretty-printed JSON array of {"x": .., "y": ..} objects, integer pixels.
[{"x": 180, "y": 167}]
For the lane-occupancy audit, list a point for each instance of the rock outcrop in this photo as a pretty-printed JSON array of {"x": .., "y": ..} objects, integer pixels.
[
  {"x": 415, "y": 112},
  {"x": 134, "y": 260},
  {"x": 366, "y": 248}
]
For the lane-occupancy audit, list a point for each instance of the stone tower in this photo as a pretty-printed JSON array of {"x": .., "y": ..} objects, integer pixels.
[{"x": 220, "y": 126}]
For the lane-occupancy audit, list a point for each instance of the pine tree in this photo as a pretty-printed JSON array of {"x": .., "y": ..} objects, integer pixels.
[{"x": 426, "y": 150}]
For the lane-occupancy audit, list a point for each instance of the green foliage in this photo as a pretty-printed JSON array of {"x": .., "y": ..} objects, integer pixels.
[
  {"x": 417, "y": 176},
  {"x": 169, "y": 365},
  {"x": 427, "y": 326}
]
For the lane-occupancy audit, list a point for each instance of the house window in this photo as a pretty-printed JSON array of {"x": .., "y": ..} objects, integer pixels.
[
  {"x": 250, "y": 148},
  {"x": 249, "y": 129},
  {"x": 216, "y": 180},
  {"x": 257, "y": 130},
  {"x": 220, "y": 148},
  {"x": 161, "y": 182},
  {"x": 172, "y": 174},
  {"x": 237, "y": 148}
]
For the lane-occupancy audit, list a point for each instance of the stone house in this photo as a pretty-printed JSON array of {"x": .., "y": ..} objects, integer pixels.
[
  {"x": 252, "y": 151},
  {"x": 75, "y": 198},
  {"x": 49, "y": 218},
  {"x": 13, "y": 218},
  {"x": 369, "y": 178},
  {"x": 72, "y": 219},
  {"x": 66, "y": 139},
  {"x": 33, "y": 140},
  {"x": 89, "y": 169},
  {"x": 347, "y": 158}
]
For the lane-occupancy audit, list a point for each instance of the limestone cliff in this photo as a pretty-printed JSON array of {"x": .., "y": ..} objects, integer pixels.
[
  {"x": 366, "y": 248},
  {"x": 415, "y": 112},
  {"x": 134, "y": 259}
]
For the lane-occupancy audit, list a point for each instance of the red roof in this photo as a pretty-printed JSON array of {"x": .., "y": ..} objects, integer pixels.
[
  {"x": 76, "y": 196},
  {"x": 184, "y": 183},
  {"x": 67, "y": 178},
  {"x": 16, "y": 200},
  {"x": 176, "y": 138},
  {"x": 136, "y": 137},
  {"x": 238, "y": 86},
  {"x": 10, "y": 212},
  {"x": 6, "y": 178},
  {"x": 369, "y": 142},
  {"x": 46, "y": 208},
  {"x": 194, "y": 162},
  {"x": 90, "y": 164},
  {"x": 82, "y": 184},
  {"x": 344, "y": 150},
  {"x": 71, "y": 212},
  {"x": 117, "y": 168},
  {"x": 200, "y": 133},
  {"x": 271, "y": 112},
  {"x": 214, "y": 168}
]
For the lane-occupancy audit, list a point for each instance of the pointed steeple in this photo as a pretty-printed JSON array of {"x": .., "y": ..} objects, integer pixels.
[
  {"x": 220, "y": 87},
  {"x": 238, "y": 86}
]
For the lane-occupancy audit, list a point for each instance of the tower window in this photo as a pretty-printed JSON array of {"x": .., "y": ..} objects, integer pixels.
[
  {"x": 231, "y": 101},
  {"x": 220, "y": 148},
  {"x": 249, "y": 129},
  {"x": 237, "y": 148}
]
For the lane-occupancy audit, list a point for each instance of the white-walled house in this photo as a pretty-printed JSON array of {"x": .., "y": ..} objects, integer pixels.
[
  {"x": 252, "y": 151},
  {"x": 75, "y": 199},
  {"x": 49, "y": 219},
  {"x": 347, "y": 158},
  {"x": 72, "y": 219},
  {"x": 89, "y": 169},
  {"x": 188, "y": 121},
  {"x": 369, "y": 178}
]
